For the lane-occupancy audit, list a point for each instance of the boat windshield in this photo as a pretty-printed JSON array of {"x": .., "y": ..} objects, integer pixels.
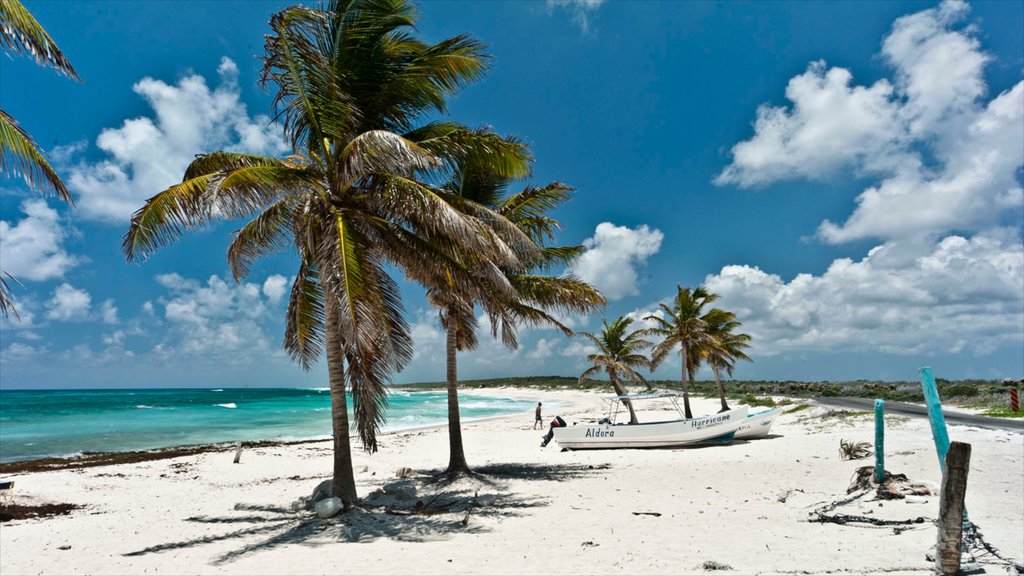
[{"x": 616, "y": 403}]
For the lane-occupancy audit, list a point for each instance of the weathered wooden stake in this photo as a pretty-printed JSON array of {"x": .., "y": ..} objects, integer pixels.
[
  {"x": 879, "y": 441},
  {"x": 1014, "y": 403},
  {"x": 238, "y": 452},
  {"x": 952, "y": 513},
  {"x": 935, "y": 417}
]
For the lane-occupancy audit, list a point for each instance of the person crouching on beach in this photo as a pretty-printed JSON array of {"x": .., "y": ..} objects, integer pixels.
[
  {"x": 537, "y": 421},
  {"x": 556, "y": 423}
]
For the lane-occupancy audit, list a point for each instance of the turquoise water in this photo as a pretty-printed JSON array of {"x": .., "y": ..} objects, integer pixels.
[{"x": 37, "y": 424}]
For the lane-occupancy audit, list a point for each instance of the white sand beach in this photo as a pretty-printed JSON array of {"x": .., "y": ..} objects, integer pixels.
[{"x": 539, "y": 511}]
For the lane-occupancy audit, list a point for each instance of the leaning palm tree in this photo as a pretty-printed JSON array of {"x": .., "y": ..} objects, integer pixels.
[
  {"x": 723, "y": 347},
  {"x": 474, "y": 182},
  {"x": 619, "y": 355},
  {"x": 682, "y": 326},
  {"x": 21, "y": 34},
  {"x": 351, "y": 82}
]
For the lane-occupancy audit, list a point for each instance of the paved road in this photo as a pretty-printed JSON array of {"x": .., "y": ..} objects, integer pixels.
[{"x": 1011, "y": 424}]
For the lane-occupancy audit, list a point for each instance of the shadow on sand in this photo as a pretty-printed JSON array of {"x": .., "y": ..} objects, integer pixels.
[{"x": 427, "y": 507}]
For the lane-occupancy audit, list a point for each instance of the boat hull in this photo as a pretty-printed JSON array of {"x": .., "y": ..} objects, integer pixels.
[
  {"x": 757, "y": 425},
  {"x": 714, "y": 429}
]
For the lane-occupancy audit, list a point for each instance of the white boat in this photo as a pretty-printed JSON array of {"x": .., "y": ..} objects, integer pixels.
[
  {"x": 714, "y": 429},
  {"x": 757, "y": 425}
]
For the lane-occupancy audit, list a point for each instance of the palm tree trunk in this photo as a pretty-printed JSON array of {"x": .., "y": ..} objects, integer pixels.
[
  {"x": 457, "y": 455},
  {"x": 686, "y": 386},
  {"x": 622, "y": 392},
  {"x": 721, "y": 388},
  {"x": 344, "y": 483}
]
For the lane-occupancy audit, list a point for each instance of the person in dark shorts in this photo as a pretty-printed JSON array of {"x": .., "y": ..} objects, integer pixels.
[
  {"x": 537, "y": 421},
  {"x": 556, "y": 423}
]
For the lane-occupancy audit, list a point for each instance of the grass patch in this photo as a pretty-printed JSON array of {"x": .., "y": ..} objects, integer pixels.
[
  {"x": 751, "y": 400},
  {"x": 1004, "y": 412},
  {"x": 797, "y": 408}
]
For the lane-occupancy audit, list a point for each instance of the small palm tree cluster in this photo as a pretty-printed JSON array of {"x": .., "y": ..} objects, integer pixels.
[
  {"x": 700, "y": 337},
  {"x": 370, "y": 186},
  {"x": 21, "y": 34}
]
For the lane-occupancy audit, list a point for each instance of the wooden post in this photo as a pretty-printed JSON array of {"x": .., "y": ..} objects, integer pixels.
[
  {"x": 952, "y": 512},
  {"x": 879, "y": 441},
  {"x": 238, "y": 452}
]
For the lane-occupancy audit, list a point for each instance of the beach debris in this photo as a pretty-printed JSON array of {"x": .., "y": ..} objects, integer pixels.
[
  {"x": 403, "y": 472},
  {"x": 238, "y": 452},
  {"x": 646, "y": 513},
  {"x": 712, "y": 565},
  {"x": 64, "y": 547},
  {"x": 10, "y": 512},
  {"x": 785, "y": 495},
  {"x": 849, "y": 450},
  {"x": 589, "y": 544},
  {"x": 364, "y": 468},
  {"x": 322, "y": 490},
  {"x": 328, "y": 507}
]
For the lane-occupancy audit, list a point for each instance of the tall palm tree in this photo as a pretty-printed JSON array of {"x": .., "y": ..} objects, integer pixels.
[
  {"x": 723, "y": 347},
  {"x": 533, "y": 294},
  {"x": 351, "y": 82},
  {"x": 21, "y": 34},
  {"x": 619, "y": 355},
  {"x": 682, "y": 326}
]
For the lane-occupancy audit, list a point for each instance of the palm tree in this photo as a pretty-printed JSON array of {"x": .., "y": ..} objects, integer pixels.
[
  {"x": 475, "y": 183},
  {"x": 723, "y": 348},
  {"x": 21, "y": 34},
  {"x": 684, "y": 327},
  {"x": 351, "y": 82},
  {"x": 618, "y": 354}
]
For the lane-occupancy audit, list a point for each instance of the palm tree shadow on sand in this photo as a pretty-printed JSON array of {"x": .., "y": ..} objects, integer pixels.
[{"x": 441, "y": 510}]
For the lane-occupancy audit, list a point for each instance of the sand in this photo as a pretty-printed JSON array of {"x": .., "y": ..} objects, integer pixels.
[{"x": 538, "y": 510}]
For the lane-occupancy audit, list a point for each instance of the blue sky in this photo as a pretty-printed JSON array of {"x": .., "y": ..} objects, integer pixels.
[{"x": 846, "y": 175}]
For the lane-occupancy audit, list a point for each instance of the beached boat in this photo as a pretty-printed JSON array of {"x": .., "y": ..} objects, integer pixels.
[
  {"x": 757, "y": 425},
  {"x": 714, "y": 429}
]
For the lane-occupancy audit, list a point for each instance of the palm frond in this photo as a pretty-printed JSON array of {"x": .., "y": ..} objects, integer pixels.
[
  {"x": 20, "y": 33},
  {"x": 304, "y": 326},
  {"x": 21, "y": 156},
  {"x": 267, "y": 233}
]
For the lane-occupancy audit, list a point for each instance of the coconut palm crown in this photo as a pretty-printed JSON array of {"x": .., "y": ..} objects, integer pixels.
[
  {"x": 351, "y": 83},
  {"x": 681, "y": 326},
  {"x": 723, "y": 347},
  {"x": 619, "y": 354},
  {"x": 21, "y": 34}
]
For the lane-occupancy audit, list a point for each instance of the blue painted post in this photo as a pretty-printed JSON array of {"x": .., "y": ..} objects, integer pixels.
[
  {"x": 879, "y": 441},
  {"x": 938, "y": 421}
]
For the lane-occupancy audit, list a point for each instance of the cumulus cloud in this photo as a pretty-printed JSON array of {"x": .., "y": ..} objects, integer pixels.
[
  {"x": 33, "y": 247},
  {"x": 544, "y": 349},
  {"x": 108, "y": 312},
  {"x": 946, "y": 160},
  {"x": 147, "y": 154},
  {"x": 68, "y": 304},
  {"x": 613, "y": 256},
  {"x": 579, "y": 10},
  {"x": 959, "y": 295},
  {"x": 274, "y": 287},
  {"x": 214, "y": 320}
]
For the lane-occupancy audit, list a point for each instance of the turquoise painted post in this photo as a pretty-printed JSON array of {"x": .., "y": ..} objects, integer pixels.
[
  {"x": 938, "y": 421},
  {"x": 879, "y": 440}
]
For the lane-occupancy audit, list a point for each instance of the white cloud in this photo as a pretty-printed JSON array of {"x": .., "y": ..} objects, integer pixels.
[
  {"x": 961, "y": 294},
  {"x": 543, "y": 349},
  {"x": 947, "y": 161},
  {"x": 217, "y": 320},
  {"x": 68, "y": 304},
  {"x": 274, "y": 287},
  {"x": 145, "y": 155},
  {"x": 578, "y": 348},
  {"x": 579, "y": 10},
  {"x": 33, "y": 247},
  {"x": 613, "y": 256},
  {"x": 19, "y": 351},
  {"x": 108, "y": 312}
]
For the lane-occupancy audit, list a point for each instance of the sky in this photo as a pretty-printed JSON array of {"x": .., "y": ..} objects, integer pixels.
[{"x": 846, "y": 176}]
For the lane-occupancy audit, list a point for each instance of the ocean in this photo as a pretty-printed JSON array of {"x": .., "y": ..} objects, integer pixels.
[{"x": 42, "y": 423}]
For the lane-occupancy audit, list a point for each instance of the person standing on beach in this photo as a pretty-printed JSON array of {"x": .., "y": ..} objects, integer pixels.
[{"x": 537, "y": 418}]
